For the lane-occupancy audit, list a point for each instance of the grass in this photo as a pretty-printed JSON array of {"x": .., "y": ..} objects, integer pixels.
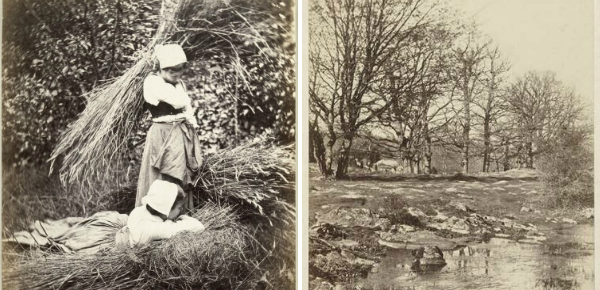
[{"x": 30, "y": 193}]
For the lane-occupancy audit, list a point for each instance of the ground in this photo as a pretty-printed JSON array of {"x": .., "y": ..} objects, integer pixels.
[{"x": 353, "y": 222}]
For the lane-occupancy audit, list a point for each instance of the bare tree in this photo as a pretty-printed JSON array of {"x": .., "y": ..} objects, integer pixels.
[
  {"x": 358, "y": 39},
  {"x": 467, "y": 74},
  {"x": 491, "y": 105},
  {"x": 540, "y": 107}
]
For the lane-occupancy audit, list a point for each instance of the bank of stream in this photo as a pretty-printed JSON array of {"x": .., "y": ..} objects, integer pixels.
[{"x": 493, "y": 234}]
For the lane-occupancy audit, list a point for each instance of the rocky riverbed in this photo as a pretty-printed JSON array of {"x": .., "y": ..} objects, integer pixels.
[{"x": 356, "y": 225}]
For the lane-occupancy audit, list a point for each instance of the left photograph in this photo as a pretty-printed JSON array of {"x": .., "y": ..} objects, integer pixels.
[{"x": 148, "y": 144}]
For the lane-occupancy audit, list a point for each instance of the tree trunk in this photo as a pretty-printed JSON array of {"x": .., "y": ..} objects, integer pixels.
[
  {"x": 506, "y": 164},
  {"x": 529, "y": 161},
  {"x": 343, "y": 159},
  {"x": 311, "y": 142},
  {"x": 486, "y": 144},
  {"x": 428, "y": 154},
  {"x": 319, "y": 149},
  {"x": 465, "y": 137}
]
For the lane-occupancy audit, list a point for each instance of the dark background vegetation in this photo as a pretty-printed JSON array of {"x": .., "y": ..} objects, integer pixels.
[{"x": 56, "y": 51}]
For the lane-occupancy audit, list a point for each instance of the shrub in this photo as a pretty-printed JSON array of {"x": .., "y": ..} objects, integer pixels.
[
  {"x": 396, "y": 210},
  {"x": 566, "y": 170}
]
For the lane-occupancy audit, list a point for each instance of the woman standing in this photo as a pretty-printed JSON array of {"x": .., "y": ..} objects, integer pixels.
[{"x": 172, "y": 150}]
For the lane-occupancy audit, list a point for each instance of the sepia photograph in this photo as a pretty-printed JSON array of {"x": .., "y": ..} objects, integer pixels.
[
  {"x": 149, "y": 144},
  {"x": 450, "y": 144}
]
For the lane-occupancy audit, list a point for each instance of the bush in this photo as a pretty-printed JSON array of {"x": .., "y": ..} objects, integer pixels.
[
  {"x": 566, "y": 169},
  {"x": 396, "y": 210}
]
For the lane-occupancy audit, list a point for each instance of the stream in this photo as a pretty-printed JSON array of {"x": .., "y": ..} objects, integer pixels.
[{"x": 565, "y": 263}]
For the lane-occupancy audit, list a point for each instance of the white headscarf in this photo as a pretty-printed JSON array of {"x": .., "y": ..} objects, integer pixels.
[
  {"x": 169, "y": 55},
  {"x": 161, "y": 196}
]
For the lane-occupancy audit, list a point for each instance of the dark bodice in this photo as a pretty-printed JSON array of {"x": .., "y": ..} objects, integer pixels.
[{"x": 162, "y": 109}]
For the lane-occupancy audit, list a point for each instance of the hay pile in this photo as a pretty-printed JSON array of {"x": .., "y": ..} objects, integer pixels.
[
  {"x": 255, "y": 173},
  {"x": 225, "y": 256},
  {"x": 247, "y": 195}
]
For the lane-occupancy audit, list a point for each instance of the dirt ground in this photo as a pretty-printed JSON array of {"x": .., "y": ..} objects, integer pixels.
[{"x": 352, "y": 222}]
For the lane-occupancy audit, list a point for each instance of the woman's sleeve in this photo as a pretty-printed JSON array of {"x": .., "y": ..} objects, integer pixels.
[
  {"x": 187, "y": 223},
  {"x": 157, "y": 90},
  {"x": 147, "y": 231}
]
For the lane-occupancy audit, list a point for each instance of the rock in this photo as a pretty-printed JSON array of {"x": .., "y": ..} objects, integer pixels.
[
  {"x": 392, "y": 237},
  {"x": 349, "y": 244},
  {"x": 588, "y": 213},
  {"x": 416, "y": 240},
  {"x": 490, "y": 218},
  {"x": 474, "y": 220},
  {"x": 461, "y": 206},
  {"x": 537, "y": 211},
  {"x": 453, "y": 220},
  {"x": 402, "y": 228},
  {"x": 348, "y": 255},
  {"x": 439, "y": 226},
  {"x": 497, "y": 230},
  {"x": 440, "y": 217},
  {"x": 428, "y": 258},
  {"x": 364, "y": 262},
  {"x": 526, "y": 209},
  {"x": 383, "y": 223},
  {"x": 569, "y": 221},
  {"x": 324, "y": 285},
  {"x": 465, "y": 196},
  {"x": 502, "y": 236},
  {"x": 375, "y": 268},
  {"x": 348, "y": 217},
  {"x": 460, "y": 231},
  {"x": 393, "y": 245},
  {"x": 510, "y": 216},
  {"x": 461, "y": 225},
  {"x": 451, "y": 190},
  {"x": 416, "y": 212}
]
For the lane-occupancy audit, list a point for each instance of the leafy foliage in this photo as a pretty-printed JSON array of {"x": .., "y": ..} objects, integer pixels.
[{"x": 54, "y": 53}]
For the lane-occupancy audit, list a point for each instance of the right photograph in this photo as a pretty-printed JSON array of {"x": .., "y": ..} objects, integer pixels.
[{"x": 451, "y": 144}]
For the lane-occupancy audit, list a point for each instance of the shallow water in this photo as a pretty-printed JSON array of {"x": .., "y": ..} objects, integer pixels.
[{"x": 499, "y": 264}]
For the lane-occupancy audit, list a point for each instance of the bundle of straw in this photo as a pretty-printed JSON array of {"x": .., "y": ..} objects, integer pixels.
[
  {"x": 254, "y": 173},
  {"x": 224, "y": 256}
]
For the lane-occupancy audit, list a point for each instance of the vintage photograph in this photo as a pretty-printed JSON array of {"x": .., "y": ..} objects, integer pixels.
[
  {"x": 148, "y": 144},
  {"x": 451, "y": 144}
]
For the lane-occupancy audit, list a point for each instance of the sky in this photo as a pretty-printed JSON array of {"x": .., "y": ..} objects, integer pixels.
[{"x": 555, "y": 35}]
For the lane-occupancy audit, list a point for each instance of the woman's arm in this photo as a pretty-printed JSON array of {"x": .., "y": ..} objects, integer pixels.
[{"x": 157, "y": 90}]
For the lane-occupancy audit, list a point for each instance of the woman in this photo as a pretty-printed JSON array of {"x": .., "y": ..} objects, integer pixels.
[
  {"x": 172, "y": 150},
  {"x": 159, "y": 217}
]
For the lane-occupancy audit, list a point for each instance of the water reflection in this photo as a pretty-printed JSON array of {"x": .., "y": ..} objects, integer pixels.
[{"x": 499, "y": 264}]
